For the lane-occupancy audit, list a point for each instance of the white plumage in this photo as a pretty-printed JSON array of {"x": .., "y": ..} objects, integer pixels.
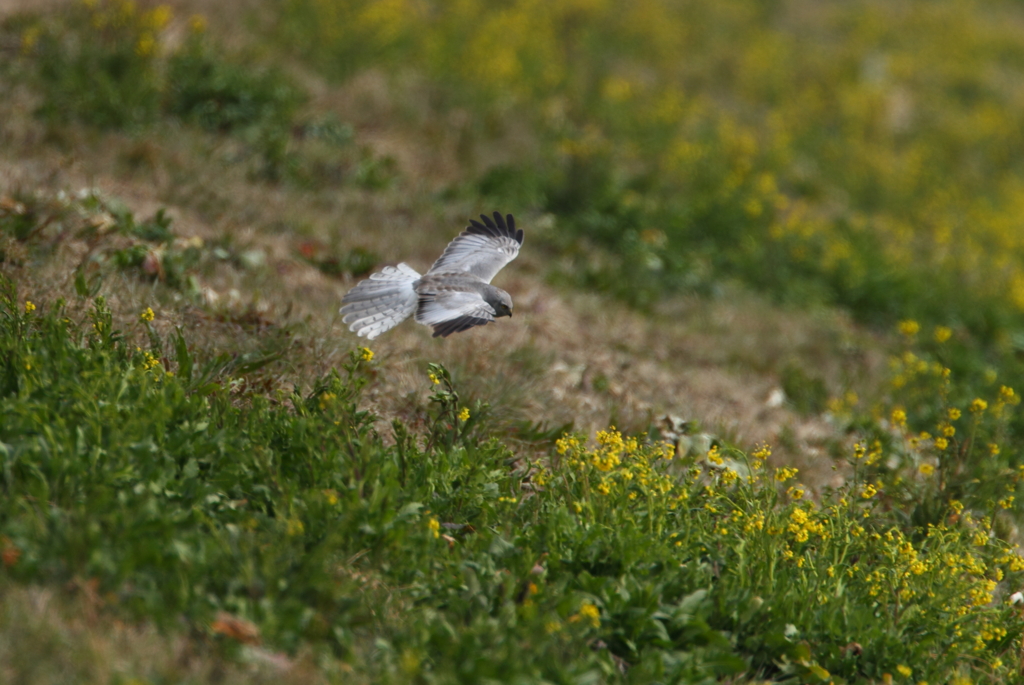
[{"x": 454, "y": 295}]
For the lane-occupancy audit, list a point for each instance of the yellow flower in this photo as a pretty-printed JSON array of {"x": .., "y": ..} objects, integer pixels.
[
  {"x": 147, "y": 315},
  {"x": 978, "y": 405},
  {"x": 295, "y": 527},
  {"x": 197, "y": 23},
  {"x": 435, "y": 526},
  {"x": 899, "y": 417},
  {"x": 785, "y": 473},
  {"x": 29, "y": 39},
  {"x": 714, "y": 456},
  {"x": 589, "y": 612},
  {"x": 953, "y": 413},
  {"x": 904, "y": 671},
  {"x": 909, "y": 328},
  {"x": 566, "y": 443},
  {"x": 159, "y": 17},
  {"x": 868, "y": 491},
  {"x": 464, "y": 414},
  {"x": 366, "y": 354},
  {"x": 941, "y": 443},
  {"x": 434, "y": 379},
  {"x": 942, "y": 334},
  {"x": 29, "y": 307},
  {"x": 146, "y": 45},
  {"x": 926, "y": 469}
]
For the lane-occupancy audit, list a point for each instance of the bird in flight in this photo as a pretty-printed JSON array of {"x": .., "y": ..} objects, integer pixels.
[{"x": 453, "y": 296}]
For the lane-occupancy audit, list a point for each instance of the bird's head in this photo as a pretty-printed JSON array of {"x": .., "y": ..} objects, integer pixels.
[{"x": 502, "y": 303}]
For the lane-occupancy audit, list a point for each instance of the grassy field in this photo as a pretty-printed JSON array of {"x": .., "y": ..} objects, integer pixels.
[{"x": 756, "y": 417}]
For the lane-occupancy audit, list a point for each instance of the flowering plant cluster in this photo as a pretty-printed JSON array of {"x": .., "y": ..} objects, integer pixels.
[
  {"x": 844, "y": 556},
  {"x": 434, "y": 552}
]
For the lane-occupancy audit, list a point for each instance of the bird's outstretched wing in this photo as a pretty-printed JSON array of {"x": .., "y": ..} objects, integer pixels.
[
  {"x": 453, "y": 311},
  {"x": 483, "y": 248},
  {"x": 381, "y": 302}
]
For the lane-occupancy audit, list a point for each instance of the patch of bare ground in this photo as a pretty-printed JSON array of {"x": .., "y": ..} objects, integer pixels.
[{"x": 64, "y": 637}]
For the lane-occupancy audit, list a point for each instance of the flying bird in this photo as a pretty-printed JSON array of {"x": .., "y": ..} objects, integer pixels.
[{"x": 453, "y": 296}]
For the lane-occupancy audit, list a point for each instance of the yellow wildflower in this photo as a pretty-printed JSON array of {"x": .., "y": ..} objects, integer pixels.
[
  {"x": 147, "y": 315},
  {"x": 941, "y": 443},
  {"x": 435, "y": 526},
  {"x": 29, "y": 307},
  {"x": 909, "y": 328},
  {"x": 29, "y": 39},
  {"x": 926, "y": 469},
  {"x": 978, "y": 405},
  {"x": 904, "y": 671},
  {"x": 158, "y": 17},
  {"x": 953, "y": 413},
  {"x": 942, "y": 334},
  {"x": 785, "y": 473},
  {"x": 366, "y": 354},
  {"x": 587, "y": 612},
  {"x": 464, "y": 414},
  {"x": 434, "y": 379},
  {"x": 899, "y": 417},
  {"x": 146, "y": 45}
]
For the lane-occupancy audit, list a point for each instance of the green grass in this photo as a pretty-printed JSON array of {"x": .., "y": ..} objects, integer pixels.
[
  {"x": 458, "y": 543},
  {"x": 442, "y": 555}
]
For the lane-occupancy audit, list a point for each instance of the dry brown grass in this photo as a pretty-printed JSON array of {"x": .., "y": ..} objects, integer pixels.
[{"x": 51, "y": 637}]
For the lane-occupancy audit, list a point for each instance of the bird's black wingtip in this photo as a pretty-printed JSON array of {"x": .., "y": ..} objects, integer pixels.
[{"x": 498, "y": 227}]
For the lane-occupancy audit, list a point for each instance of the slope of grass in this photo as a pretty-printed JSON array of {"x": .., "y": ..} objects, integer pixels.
[
  {"x": 175, "y": 491},
  {"x": 188, "y": 487}
]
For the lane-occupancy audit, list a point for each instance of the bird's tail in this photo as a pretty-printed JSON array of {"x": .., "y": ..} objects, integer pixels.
[{"x": 381, "y": 302}]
